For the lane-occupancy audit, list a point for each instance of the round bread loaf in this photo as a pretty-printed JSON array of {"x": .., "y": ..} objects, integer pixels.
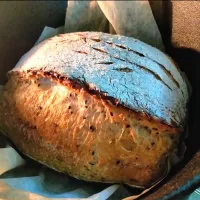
[{"x": 98, "y": 107}]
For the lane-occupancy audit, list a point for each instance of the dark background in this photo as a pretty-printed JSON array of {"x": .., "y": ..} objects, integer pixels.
[{"x": 21, "y": 23}]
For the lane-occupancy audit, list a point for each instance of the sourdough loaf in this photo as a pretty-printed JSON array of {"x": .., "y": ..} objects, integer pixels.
[{"x": 98, "y": 107}]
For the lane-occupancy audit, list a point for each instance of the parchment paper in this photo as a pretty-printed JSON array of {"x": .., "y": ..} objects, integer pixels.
[
  {"x": 18, "y": 180},
  {"x": 129, "y": 18}
]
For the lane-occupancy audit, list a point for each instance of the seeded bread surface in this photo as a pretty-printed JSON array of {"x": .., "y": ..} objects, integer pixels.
[{"x": 97, "y": 107}]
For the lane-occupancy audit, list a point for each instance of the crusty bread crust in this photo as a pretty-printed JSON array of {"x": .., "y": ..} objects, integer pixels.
[
  {"x": 98, "y": 107},
  {"x": 139, "y": 76},
  {"x": 83, "y": 135}
]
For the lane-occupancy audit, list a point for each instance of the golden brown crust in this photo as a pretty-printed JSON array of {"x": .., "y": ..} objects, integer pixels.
[{"x": 87, "y": 137}]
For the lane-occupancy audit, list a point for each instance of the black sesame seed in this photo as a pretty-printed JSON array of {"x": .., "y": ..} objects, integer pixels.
[
  {"x": 111, "y": 113},
  {"x": 92, "y": 128},
  {"x": 40, "y": 107},
  {"x": 93, "y": 153},
  {"x": 157, "y": 133},
  {"x": 71, "y": 112},
  {"x": 34, "y": 127},
  {"x": 127, "y": 126},
  {"x": 58, "y": 147},
  {"x": 86, "y": 106},
  {"x": 153, "y": 143},
  {"x": 117, "y": 162},
  {"x": 69, "y": 107},
  {"x": 59, "y": 158},
  {"x": 91, "y": 163}
]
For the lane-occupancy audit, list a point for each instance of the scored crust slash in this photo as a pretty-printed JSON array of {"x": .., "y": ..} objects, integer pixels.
[{"x": 99, "y": 107}]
